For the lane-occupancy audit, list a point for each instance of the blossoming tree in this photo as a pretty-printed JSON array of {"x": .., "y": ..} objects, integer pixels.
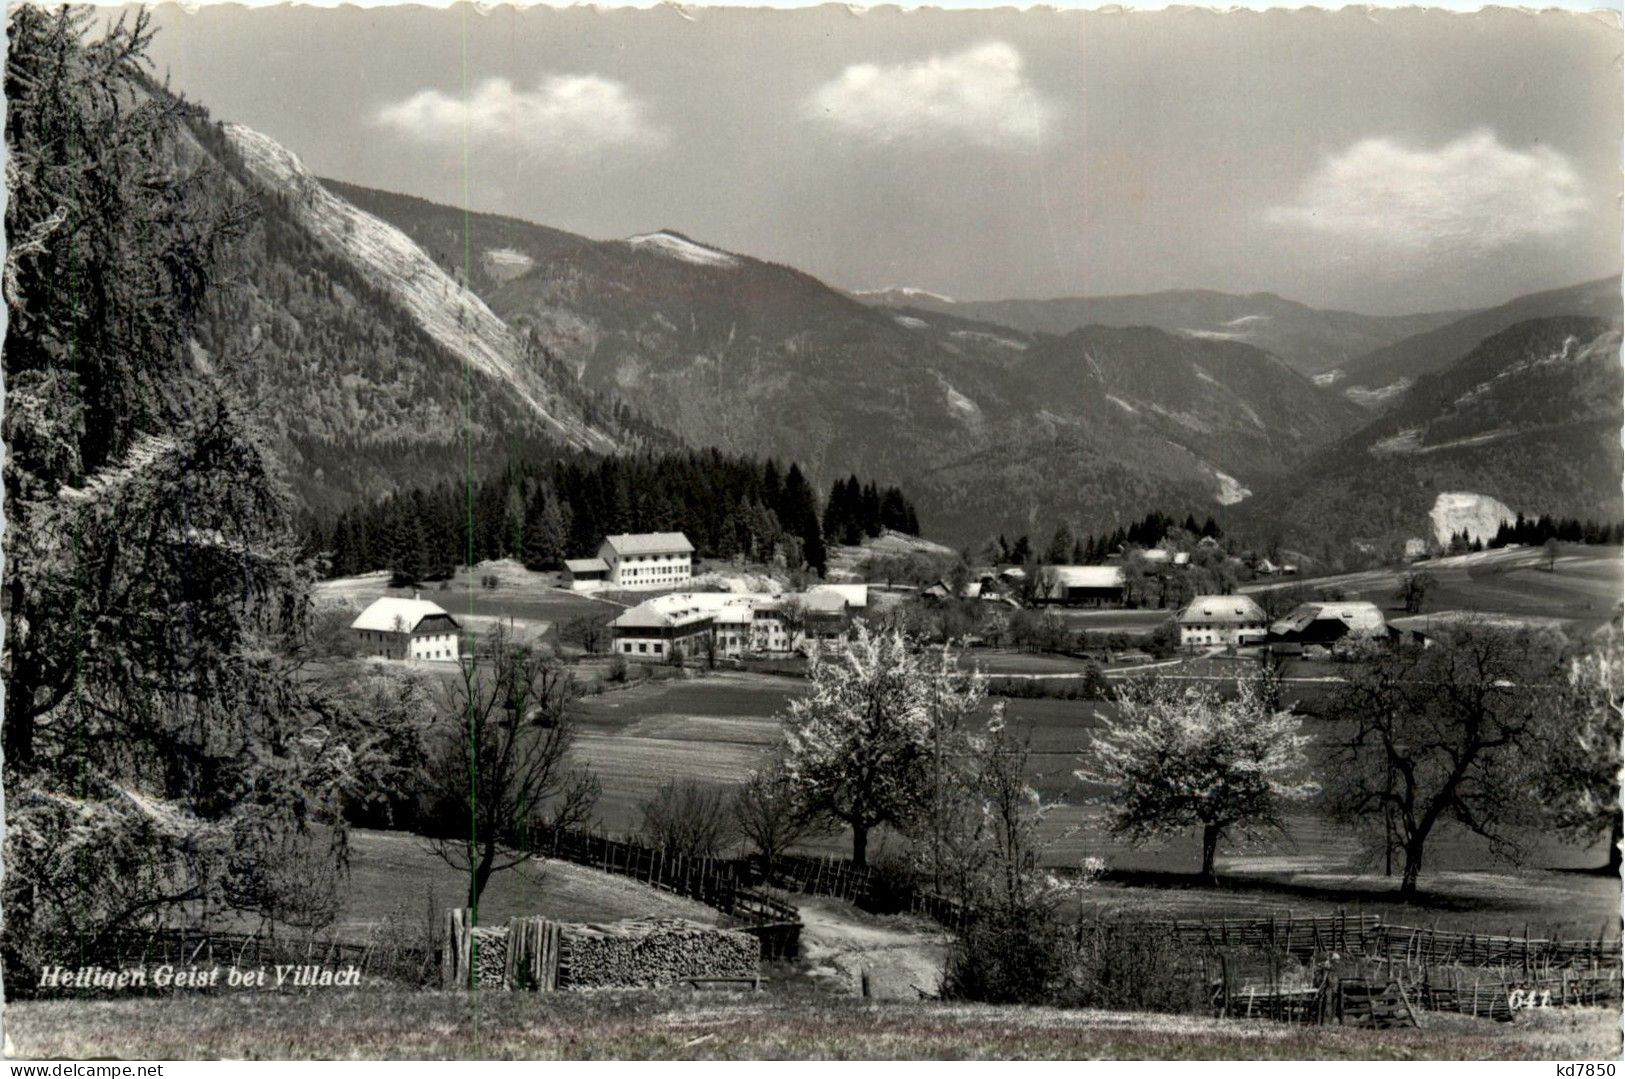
[{"x": 1184, "y": 756}]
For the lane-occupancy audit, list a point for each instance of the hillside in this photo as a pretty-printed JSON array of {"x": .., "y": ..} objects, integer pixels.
[
  {"x": 1309, "y": 339},
  {"x": 1378, "y": 378},
  {"x": 989, "y": 428},
  {"x": 1530, "y": 417},
  {"x": 370, "y": 367}
]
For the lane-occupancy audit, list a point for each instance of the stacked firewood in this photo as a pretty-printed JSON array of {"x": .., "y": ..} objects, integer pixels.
[
  {"x": 490, "y": 948},
  {"x": 648, "y": 953}
]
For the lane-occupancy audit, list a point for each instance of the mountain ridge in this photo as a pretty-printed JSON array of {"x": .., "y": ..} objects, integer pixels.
[{"x": 755, "y": 355}]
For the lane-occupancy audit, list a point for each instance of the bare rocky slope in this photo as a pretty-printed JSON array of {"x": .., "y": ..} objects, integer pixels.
[{"x": 369, "y": 366}]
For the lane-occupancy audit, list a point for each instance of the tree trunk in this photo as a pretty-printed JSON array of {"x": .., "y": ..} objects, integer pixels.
[
  {"x": 1413, "y": 870},
  {"x": 479, "y": 878},
  {"x": 860, "y": 846},
  {"x": 1210, "y": 846}
]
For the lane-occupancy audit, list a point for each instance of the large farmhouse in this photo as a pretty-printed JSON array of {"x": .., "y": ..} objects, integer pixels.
[
  {"x": 827, "y": 610},
  {"x": 647, "y": 560},
  {"x": 397, "y": 628},
  {"x": 1326, "y": 623},
  {"x": 656, "y": 627},
  {"x": 1216, "y": 621},
  {"x": 1085, "y": 586}
]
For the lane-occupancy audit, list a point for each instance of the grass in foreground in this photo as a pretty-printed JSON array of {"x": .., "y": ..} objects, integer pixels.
[{"x": 684, "y": 1025}]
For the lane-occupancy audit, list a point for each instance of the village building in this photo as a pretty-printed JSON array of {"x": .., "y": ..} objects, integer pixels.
[
  {"x": 941, "y": 589},
  {"x": 586, "y": 574},
  {"x": 394, "y": 627},
  {"x": 736, "y": 623},
  {"x": 1082, "y": 586},
  {"x": 827, "y": 610},
  {"x": 647, "y": 560},
  {"x": 1327, "y": 623},
  {"x": 1219, "y": 621},
  {"x": 770, "y": 634},
  {"x": 654, "y": 628}
]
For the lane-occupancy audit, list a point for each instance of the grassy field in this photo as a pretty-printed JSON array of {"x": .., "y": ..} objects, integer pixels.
[
  {"x": 394, "y": 876},
  {"x": 1584, "y": 589},
  {"x": 522, "y": 595},
  {"x": 716, "y": 728},
  {"x": 684, "y": 1025}
]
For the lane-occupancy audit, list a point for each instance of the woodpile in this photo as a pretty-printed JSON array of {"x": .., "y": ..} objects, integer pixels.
[
  {"x": 490, "y": 955},
  {"x": 650, "y": 953}
]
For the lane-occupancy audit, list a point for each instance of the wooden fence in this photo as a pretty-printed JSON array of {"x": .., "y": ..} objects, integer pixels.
[
  {"x": 1401, "y": 945},
  {"x": 721, "y": 883}
]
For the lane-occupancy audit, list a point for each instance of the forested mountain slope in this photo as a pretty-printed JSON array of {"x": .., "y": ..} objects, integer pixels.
[
  {"x": 369, "y": 367},
  {"x": 994, "y": 429},
  {"x": 1530, "y": 417}
]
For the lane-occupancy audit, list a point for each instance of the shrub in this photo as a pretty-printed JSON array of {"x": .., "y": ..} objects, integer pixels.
[
  {"x": 892, "y": 883},
  {"x": 1018, "y": 954},
  {"x": 617, "y": 669},
  {"x": 1122, "y": 966},
  {"x": 688, "y": 818}
]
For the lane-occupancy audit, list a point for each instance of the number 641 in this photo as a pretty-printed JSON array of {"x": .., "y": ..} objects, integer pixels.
[{"x": 1529, "y": 998}]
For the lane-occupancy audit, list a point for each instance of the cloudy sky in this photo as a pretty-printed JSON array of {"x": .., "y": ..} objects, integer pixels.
[{"x": 1383, "y": 161}]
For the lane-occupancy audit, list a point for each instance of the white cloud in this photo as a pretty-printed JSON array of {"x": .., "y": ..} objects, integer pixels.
[
  {"x": 978, "y": 95},
  {"x": 568, "y": 114},
  {"x": 1468, "y": 196}
]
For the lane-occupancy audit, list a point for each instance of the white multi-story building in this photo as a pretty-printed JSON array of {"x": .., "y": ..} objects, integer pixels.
[
  {"x": 739, "y": 623},
  {"x": 397, "y": 628},
  {"x": 647, "y": 560},
  {"x": 1218, "y": 621}
]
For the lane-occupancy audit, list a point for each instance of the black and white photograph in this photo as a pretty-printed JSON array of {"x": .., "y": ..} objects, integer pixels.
[{"x": 816, "y": 533}]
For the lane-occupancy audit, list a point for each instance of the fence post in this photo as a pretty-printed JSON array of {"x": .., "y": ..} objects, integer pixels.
[{"x": 455, "y": 968}]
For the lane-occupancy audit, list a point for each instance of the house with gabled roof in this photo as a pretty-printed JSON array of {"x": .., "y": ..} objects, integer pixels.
[
  {"x": 393, "y": 627},
  {"x": 1222, "y": 621},
  {"x": 586, "y": 574}
]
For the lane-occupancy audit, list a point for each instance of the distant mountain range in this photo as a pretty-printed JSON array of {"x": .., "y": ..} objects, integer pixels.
[
  {"x": 1377, "y": 378},
  {"x": 1530, "y": 416},
  {"x": 1308, "y": 339},
  {"x": 384, "y": 340},
  {"x": 991, "y": 428}
]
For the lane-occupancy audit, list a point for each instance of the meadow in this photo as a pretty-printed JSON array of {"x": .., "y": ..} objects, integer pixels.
[
  {"x": 1584, "y": 588},
  {"x": 717, "y": 727}
]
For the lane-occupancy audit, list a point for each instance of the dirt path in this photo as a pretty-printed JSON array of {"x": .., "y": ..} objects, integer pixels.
[{"x": 897, "y": 959}]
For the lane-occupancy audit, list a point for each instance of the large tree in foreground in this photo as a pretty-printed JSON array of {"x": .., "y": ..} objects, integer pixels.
[
  {"x": 1179, "y": 756},
  {"x": 859, "y": 745},
  {"x": 502, "y": 774},
  {"x": 1450, "y": 734},
  {"x": 162, "y": 759}
]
